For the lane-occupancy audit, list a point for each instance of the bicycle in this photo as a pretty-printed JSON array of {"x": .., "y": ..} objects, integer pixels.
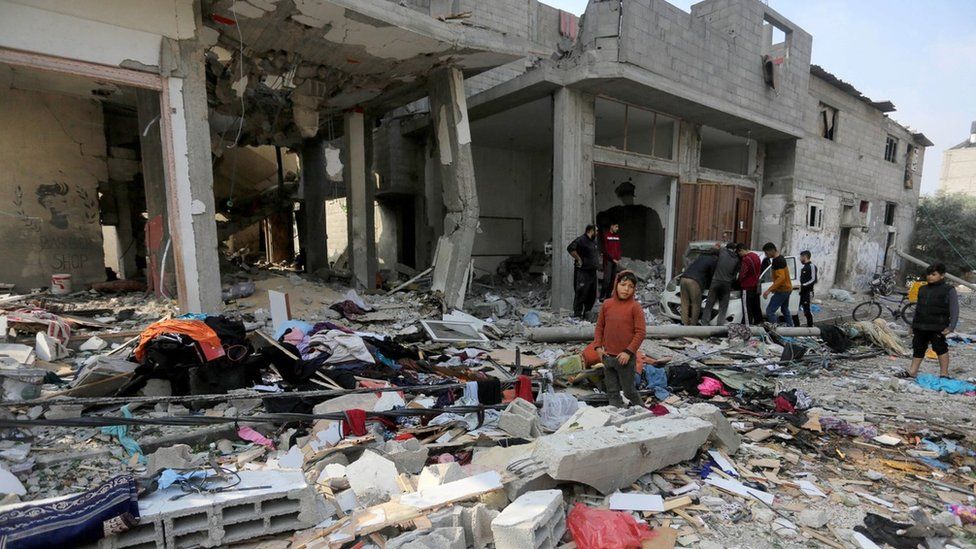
[
  {"x": 883, "y": 282},
  {"x": 903, "y": 310}
]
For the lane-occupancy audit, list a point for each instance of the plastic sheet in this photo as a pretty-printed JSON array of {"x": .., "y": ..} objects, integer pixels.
[
  {"x": 602, "y": 529},
  {"x": 556, "y": 409}
]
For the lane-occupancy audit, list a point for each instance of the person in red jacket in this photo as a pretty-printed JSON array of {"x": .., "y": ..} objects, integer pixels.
[
  {"x": 611, "y": 255},
  {"x": 749, "y": 284},
  {"x": 620, "y": 331}
]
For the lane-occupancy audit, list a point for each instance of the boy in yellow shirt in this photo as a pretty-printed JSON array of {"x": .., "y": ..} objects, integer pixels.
[{"x": 782, "y": 286}]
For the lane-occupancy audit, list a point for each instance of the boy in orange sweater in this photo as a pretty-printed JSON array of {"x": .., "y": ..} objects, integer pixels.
[{"x": 620, "y": 330}]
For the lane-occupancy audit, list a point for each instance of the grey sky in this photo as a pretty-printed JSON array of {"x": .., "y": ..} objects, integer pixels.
[{"x": 919, "y": 55}]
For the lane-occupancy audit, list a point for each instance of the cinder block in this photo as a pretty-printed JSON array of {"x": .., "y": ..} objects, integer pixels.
[
  {"x": 520, "y": 419},
  {"x": 536, "y": 520},
  {"x": 265, "y": 502}
]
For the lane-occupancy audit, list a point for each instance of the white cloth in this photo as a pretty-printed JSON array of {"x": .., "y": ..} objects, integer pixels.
[{"x": 342, "y": 347}]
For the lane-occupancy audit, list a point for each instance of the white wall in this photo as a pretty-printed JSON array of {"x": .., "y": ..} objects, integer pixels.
[{"x": 98, "y": 31}]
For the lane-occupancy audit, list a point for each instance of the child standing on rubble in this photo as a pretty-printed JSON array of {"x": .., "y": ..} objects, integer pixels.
[
  {"x": 620, "y": 330},
  {"x": 936, "y": 316}
]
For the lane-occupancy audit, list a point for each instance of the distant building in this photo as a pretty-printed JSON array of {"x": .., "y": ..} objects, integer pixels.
[{"x": 959, "y": 166}]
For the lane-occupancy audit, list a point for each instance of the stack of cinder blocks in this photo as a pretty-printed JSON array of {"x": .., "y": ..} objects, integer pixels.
[
  {"x": 536, "y": 520},
  {"x": 265, "y": 502}
]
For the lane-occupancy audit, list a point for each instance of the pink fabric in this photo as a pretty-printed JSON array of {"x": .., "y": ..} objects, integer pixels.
[
  {"x": 251, "y": 435},
  {"x": 711, "y": 387}
]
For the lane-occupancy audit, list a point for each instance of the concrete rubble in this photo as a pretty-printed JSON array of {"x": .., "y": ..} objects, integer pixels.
[{"x": 690, "y": 458}]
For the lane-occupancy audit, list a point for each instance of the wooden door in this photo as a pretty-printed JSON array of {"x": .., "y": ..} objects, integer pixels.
[{"x": 743, "y": 216}]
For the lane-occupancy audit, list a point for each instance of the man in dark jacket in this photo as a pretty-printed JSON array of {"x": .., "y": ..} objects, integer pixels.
[
  {"x": 697, "y": 276},
  {"x": 936, "y": 316},
  {"x": 808, "y": 280},
  {"x": 719, "y": 291},
  {"x": 586, "y": 255}
]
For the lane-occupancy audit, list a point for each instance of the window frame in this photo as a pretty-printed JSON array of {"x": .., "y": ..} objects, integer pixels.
[
  {"x": 891, "y": 148},
  {"x": 815, "y": 209},
  {"x": 653, "y": 137}
]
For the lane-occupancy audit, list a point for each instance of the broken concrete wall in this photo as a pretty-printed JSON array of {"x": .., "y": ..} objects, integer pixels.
[
  {"x": 53, "y": 152},
  {"x": 716, "y": 51},
  {"x": 514, "y": 196},
  {"x": 651, "y": 192}
]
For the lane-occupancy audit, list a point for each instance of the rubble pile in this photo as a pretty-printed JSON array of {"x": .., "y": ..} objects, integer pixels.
[{"x": 382, "y": 420}]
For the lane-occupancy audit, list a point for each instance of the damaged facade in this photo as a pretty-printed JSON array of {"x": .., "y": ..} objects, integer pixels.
[{"x": 680, "y": 127}]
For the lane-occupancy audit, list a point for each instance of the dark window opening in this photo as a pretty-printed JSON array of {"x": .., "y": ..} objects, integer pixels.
[
  {"x": 865, "y": 206},
  {"x": 815, "y": 216},
  {"x": 889, "y": 218},
  {"x": 891, "y": 149},
  {"x": 828, "y": 121}
]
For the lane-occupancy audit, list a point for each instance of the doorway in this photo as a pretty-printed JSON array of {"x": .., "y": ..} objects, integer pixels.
[{"x": 840, "y": 276}]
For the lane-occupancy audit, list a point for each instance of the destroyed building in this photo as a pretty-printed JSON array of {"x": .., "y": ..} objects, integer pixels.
[
  {"x": 312, "y": 189},
  {"x": 681, "y": 127},
  {"x": 302, "y": 132}
]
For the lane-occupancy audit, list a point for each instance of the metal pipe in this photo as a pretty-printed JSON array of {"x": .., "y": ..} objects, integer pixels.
[{"x": 923, "y": 264}]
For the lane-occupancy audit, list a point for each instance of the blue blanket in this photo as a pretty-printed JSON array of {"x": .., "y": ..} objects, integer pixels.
[{"x": 944, "y": 384}]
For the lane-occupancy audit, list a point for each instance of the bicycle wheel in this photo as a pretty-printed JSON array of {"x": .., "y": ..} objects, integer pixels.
[
  {"x": 907, "y": 314},
  {"x": 869, "y": 310}
]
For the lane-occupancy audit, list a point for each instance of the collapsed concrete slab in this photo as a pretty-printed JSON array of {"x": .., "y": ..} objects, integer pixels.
[
  {"x": 610, "y": 458},
  {"x": 723, "y": 435},
  {"x": 535, "y": 520}
]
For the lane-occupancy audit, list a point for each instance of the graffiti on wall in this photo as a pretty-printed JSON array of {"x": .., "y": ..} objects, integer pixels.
[
  {"x": 59, "y": 226},
  {"x": 59, "y": 203}
]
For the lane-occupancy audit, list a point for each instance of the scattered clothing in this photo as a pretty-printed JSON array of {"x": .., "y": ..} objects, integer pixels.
[
  {"x": 197, "y": 330},
  {"x": 348, "y": 309},
  {"x": 490, "y": 392},
  {"x": 710, "y": 387},
  {"x": 354, "y": 423},
  {"x": 523, "y": 388},
  {"x": 944, "y": 384}
]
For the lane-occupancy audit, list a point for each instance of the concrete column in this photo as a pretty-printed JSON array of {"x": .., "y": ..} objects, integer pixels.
[
  {"x": 449, "y": 108},
  {"x": 360, "y": 197},
  {"x": 572, "y": 185},
  {"x": 189, "y": 176},
  {"x": 314, "y": 184},
  {"x": 154, "y": 180}
]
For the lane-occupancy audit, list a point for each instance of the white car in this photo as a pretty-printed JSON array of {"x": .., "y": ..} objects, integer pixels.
[{"x": 671, "y": 296}]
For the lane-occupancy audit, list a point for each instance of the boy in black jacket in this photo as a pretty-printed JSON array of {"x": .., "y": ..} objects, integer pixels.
[
  {"x": 936, "y": 316},
  {"x": 808, "y": 279}
]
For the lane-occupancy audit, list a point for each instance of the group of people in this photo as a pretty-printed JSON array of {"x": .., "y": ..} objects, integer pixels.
[
  {"x": 589, "y": 257},
  {"x": 620, "y": 328},
  {"x": 734, "y": 266}
]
